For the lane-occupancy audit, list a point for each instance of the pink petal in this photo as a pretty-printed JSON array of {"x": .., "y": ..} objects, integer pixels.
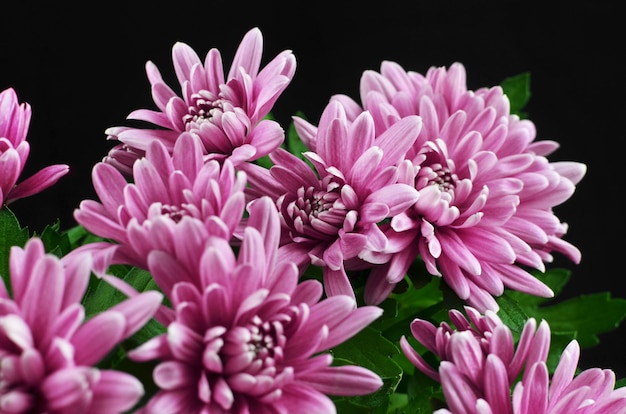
[
  {"x": 496, "y": 385},
  {"x": 347, "y": 380},
  {"x": 69, "y": 388},
  {"x": 248, "y": 54},
  {"x": 336, "y": 282},
  {"x": 38, "y": 182},
  {"x": 116, "y": 392},
  {"x": 172, "y": 375},
  {"x": 96, "y": 337}
]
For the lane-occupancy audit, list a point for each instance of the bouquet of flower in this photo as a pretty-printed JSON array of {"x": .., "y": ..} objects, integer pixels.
[{"x": 389, "y": 257}]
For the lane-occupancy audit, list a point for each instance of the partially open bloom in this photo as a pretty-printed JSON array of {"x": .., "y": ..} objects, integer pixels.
[
  {"x": 225, "y": 111},
  {"x": 486, "y": 187},
  {"x": 122, "y": 156},
  {"x": 330, "y": 214},
  {"x": 251, "y": 338},
  {"x": 480, "y": 368},
  {"x": 473, "y": 338},
  {"x": 48, "y": 351},
  {"x": 14, "y": 150},
  {"x": 167, "y": 188}
]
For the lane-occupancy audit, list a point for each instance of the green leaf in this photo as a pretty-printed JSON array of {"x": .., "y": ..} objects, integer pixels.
[
  {"x": 55, "y": 242},
  {"x": 370, "y": 350},
  {"x": 12, "y": 235},
  {"x": 586, "y": 315},
  {"x": 582, "y": 318},
  {"x": 103, "y": 295},
  {"x": 418, "y": 295},
  {"x": 264, "y": 162},
  {"x": 517, "y": 89},
  {"x": 511, "y": 313},
  {"x": 425, "y": 395}
]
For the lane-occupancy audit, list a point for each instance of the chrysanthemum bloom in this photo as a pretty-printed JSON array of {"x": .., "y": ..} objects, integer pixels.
[
  {"x": 252, "y": 339},
  {"x": 48, "y": 351},
  {"x": 14, "y": 150},
  {"x": 474, "y": 337},
  {"x": 330, "y": 215},
  {"x": 479, "y": 366},
  {"x": 167, "y": 188},
  {"x": 122, "y": 156},
  {"x": 225, "y": 111},
  {"x": 487, "y": 190}
]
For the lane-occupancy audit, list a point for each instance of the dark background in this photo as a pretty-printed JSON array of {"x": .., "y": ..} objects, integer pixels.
[{"x": 82, "y": 70}]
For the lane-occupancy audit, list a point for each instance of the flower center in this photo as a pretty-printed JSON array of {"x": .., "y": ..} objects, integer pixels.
[
  {"x": 202, "y": 108},
  {"x": 439, "y": 175},
  {"x": 176, "y": 213},
  {"x": 315, "y": 212},
  {"x": 436, "y": 169},
  {"x": 172, "y": 211},
  {"x": 247, "y": 360},
  {"x": 266, "y": 342}
]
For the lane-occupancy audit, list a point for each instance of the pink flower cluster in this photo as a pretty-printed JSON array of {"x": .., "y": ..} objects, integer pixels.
[
  {"x": 424, "y": 168},
  {"x": 244, "y": 334},
  {"x": 480, "y": 363},
  {"x": 421, "y": 168}
]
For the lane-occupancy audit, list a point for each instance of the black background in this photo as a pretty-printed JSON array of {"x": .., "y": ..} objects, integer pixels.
[{"x": 82, "y": 70}]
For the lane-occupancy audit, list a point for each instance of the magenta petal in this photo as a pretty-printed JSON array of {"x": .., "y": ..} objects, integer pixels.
[
  {"x": 17, "y": 401},
  {"x": 109, "y": 185},
  {"x": 496, "y": 385},
  {"x": 248, "y": 54},
  {"x": 535, "y": 396},
  {"x": 179, "y": 401},
  {"x": 465, "y": 351},
  {"x": 38, "y": 182},
  {"x": 416, "y": 359},
  {"x": 459, "y": 394},
  {"x": 398, "y": 197},
  {"x": 185, "y": 344},
  {"x": 565, "y": 370},
  {"x": 115, "y": 392},
  {"x": 172, "y": 375},
  {"x": 346, "y": 380},
  {"x": 396, "y": 140},
  {"x": 15, "y": 329},
  {"x": 69, "y": 389},
  {"x": 42, "y": 299},
  {"x": 96, "y": 337},
  {"x": 357, "y": 321},
  {"x": 424, "y": 332},
  {"x": 336, "y": 283},
  {"x": 10, "y": 169},
  {"x": 306, "y": 399},
  {"x": 151, "y": 349},
  {"x": 138, "y": 310}
]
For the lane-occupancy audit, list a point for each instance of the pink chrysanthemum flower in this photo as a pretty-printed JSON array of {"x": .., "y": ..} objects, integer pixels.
[
  {"x": 14, "y": 150},
  {"x": 167, "y": 188},
  {"x": 482, "y": 335},
  {"x": 330, "y": 215},
  {"x": 486, "y": 188},
  {"x": 225, "y": 111},
  {"x": 479, "y": 366},
  {"x": 251, "y": 339},
  {"x": 48, "y": 350}
]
